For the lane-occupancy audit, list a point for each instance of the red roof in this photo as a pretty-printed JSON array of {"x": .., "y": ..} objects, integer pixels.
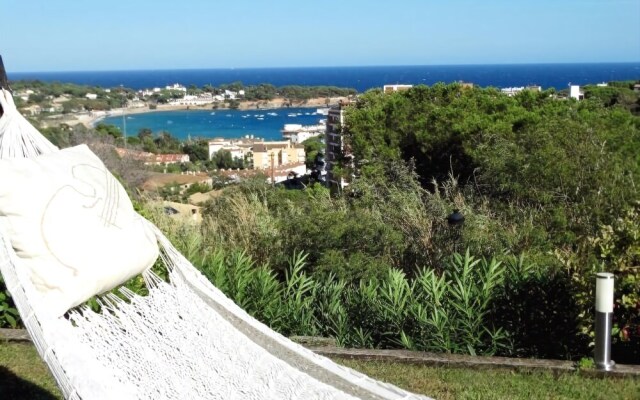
[{"x": 151, "y": 157}]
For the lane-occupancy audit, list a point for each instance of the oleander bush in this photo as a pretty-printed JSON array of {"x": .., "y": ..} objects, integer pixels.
[{"x": 447, "y": 312}]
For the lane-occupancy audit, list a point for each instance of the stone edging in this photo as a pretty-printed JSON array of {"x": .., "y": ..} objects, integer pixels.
[
  {"x": 466, "y": 361},
  {"x": 431, "y": 359},
  {"x": 14, "y": 335}
]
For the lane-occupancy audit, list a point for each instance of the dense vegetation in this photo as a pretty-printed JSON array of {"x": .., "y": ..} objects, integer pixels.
[
  {"x": 549, "y": 190},
  {"x": 267, "y": 91},
  {"x": 358, "y": 283},
  {"x": 72, "y": 97},
  {"x": 44, "y": 94},
  {"x": 561, "y": 167},
  {"x": 535, "y": 174},
  {"x": 550, "y": 181}
]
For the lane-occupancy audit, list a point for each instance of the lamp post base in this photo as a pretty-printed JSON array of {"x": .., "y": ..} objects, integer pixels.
[
  {"x": 610, "y": 366},
  {"x": 602, "y": 352}
]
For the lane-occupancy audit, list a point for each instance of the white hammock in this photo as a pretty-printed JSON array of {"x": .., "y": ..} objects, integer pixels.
[{"x": 185, "y": 340}]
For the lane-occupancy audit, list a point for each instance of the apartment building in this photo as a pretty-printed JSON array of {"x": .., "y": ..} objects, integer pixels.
[
  {"x": 336, "y": 153},
  {"x": 282, "y": 153}
]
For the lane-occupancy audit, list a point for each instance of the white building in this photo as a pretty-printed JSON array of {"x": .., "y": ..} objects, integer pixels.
[
  {"x": 190, "y": 100},
  {"x": 512, "y": 91},
  {"x": 298, "y": 133},
  {"x": 575, "y": 92},
  {"x": 176, "y": 86},
  {"x": 239, "y": 148},
  {"x": 216, "y": 145},
  {"x": 236, "y": 152},
  {"x": 395, "y": 88}
]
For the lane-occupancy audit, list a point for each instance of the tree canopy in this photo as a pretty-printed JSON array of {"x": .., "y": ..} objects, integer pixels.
[{"x": 568, "y": 165}]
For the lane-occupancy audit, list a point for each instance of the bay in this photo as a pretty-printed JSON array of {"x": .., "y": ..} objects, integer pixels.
[
  {"x": 263, "y": 123},
  {"x": 231, "y": 124}
]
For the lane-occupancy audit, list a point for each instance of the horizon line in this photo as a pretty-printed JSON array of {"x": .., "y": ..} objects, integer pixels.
[{"x": 325, "y": 67}]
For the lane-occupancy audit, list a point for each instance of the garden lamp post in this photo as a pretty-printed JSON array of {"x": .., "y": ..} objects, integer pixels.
[
  {"x": 604, "y": 321},
  {"x": 456, "y": 220}
]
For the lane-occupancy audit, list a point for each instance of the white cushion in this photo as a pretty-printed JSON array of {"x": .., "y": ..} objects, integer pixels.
[{"x": 73, "y": 226}]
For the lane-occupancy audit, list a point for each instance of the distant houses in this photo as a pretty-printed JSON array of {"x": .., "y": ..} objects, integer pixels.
[
  {"x": 298, "y": 133},
  {"x": 183, "y": 181},
  {"x": 277, "y": 154},
  {"x": 273, "y": 157},
  {"x": 176, "y": 86},
  {"x": 239, "y": 148},
  {"x": 152, "y": 158},
  {"x": 512, "y": 91},
  {"x": 395, "y": 88},
  {"x": 191, "y": 100},
  {"x": 181, "y": 96}
]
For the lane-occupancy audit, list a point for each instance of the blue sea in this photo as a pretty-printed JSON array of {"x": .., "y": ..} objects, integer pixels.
[
  {"x": 197, "y": 123},
  {"x": 263, "y": 123},
  {"x": 359, "y": 78}
]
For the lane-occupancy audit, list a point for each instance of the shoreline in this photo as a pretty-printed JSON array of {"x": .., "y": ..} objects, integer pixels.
[{"x": 89, "y": 120}]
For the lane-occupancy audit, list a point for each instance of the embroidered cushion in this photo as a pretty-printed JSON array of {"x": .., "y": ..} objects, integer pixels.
[{"x": 73, "y": 226}]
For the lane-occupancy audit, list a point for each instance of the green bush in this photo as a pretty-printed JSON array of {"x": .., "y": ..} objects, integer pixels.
[
  {"x": 9, "y": 317},
  {"x": 436, "y": 312},
  {"x": 537, "y": 307}
]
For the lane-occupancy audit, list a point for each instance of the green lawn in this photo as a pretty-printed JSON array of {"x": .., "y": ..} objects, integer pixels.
[
  {"x": 24, "y": 376},
  {"x": 457, "y": 383}
]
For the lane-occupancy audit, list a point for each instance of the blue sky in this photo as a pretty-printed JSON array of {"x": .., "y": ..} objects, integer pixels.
[{"x": 66, "y": 35}]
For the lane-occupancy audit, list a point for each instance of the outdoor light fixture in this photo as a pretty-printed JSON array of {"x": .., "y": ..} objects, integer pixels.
[
  {"x": 604, "y": 321},
  {"x": 455, "y": 218}
]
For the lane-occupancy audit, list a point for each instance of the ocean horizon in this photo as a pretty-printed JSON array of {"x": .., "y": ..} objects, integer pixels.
[{"x": 557, "y": 76}]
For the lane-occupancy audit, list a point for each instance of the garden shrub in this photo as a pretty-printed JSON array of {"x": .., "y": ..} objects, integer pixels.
[
  {"x": 9, "y": 317},
  {"x": 537, "y": 309}
]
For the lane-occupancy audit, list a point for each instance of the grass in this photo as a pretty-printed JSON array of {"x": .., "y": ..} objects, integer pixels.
[
  {"x": 457, "y": 383},
  {"x": 24, "y": 376}
]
